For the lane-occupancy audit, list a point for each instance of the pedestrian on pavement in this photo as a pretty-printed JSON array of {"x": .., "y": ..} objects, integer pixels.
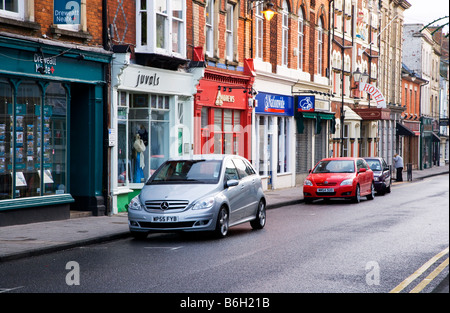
[{"x": 398, "y": 164}]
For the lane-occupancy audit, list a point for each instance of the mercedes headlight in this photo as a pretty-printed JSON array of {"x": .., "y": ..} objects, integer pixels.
[
  {"x": 135, "y": 204},
  {"x": 203, "y": 204}
]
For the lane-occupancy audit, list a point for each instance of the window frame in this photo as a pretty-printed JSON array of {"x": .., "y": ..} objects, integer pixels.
[
  {"x": 319, "y": 46},
  {"x": 146, "y": 28},
  {"x": 285, "y": 35},
  {"x": 19, "y": 15},
  {"x": 300, "y": 38}
]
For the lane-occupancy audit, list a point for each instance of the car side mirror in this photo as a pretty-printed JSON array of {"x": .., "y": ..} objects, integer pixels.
[
  {"x": 362, "y": 170},
  {"x": 231, "y": 183}
]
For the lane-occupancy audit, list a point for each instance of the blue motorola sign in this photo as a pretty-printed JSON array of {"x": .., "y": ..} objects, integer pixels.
[{"x": 66, "y": 12}]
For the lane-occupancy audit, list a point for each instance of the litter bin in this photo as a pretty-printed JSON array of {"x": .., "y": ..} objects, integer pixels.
[{"x": 409, "y": 171}]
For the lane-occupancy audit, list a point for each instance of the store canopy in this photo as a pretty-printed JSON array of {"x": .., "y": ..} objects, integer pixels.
[
  {"x": 435, "y": 137},
  {"x": 402, "y": 130},
  {"x": 318, "y": 116}
]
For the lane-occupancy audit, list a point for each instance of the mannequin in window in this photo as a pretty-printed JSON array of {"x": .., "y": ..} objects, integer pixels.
[{"x": 139, "y": 163}]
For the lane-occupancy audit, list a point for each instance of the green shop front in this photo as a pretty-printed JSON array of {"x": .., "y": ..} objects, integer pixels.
[{"x": 51, "y": 130}]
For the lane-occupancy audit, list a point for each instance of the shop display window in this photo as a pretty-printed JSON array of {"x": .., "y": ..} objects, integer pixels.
[
  {"x": 142, "y": 136},
  {"x": 33, "y": 139},
  {"x": 221, "y": 131}
]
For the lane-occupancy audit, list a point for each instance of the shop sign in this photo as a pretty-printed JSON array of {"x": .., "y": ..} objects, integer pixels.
[
  {"x": 220, "y": 99},
  {"x": 274, "y": 104},
  {"x": 66, "y": 12},
  {"x": 44, "y": 65},
  {"x": 306, "y": 103},
  {"x": 375, "y": 93}
]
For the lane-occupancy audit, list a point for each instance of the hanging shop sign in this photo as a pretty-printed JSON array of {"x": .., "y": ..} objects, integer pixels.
[
  {"x": 66, "y": 12},
  {"x": 375, "y": 93},
  {"x": 305, "y": 103},
  {"x": 268, "y": 103}
]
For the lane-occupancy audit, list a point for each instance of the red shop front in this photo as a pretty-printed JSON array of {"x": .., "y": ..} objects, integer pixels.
[{"x": 223, "y": 114}]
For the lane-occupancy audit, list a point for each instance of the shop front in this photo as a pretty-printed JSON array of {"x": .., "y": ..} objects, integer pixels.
[
  {"x": 151, "y": 121},
  {"x": 315, "y": 123},
  {"x": 223, "y": 114},
  {"x": 274, "y": 150},
  {"x": 51, "y": 130}
]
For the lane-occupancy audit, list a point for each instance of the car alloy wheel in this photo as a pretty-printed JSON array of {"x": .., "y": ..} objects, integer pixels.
[
  {"x": 222, "y": 223},
  {"x": 260, "y": 221}
]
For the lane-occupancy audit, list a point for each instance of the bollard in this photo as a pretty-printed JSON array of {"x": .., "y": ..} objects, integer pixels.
[{"x": 409, "y": 171}]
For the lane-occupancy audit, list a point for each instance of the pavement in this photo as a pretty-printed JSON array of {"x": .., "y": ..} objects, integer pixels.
[{"x": 21, "y": 241}]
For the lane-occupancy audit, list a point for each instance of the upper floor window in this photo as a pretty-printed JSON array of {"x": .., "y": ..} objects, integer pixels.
[
  {"x": 259, "y": 24},
  {"x": 319, "y": 47},
  {"x": 285, "y": 35},
  {"x": 210, "y": 27},
  {"x": 161, "y": 27},
  {"x": 300, "y": 39},
  {"x": 230, "y": 31},
  {"x": 12, "y": 9}
]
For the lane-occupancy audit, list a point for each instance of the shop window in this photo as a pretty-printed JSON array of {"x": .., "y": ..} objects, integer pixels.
[
  {"x": 142, "y": 136},
  {"x": 221, "y": 131},
  {"x": 33, "y": 140}
]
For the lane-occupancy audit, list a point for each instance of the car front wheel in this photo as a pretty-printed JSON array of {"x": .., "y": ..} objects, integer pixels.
[
  {"x": 222, "y": 223},
  {"x": 357, "y": 198}
]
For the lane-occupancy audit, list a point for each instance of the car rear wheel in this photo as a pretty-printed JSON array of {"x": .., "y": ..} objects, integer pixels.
[
  {"x": 357, "y": 197},
  {"x": 371, "y": 196},
  {"x": 222, "y": 223},
  {"x": 260, "y": 221}
]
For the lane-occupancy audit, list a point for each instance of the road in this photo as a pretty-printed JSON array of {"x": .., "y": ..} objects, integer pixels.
[{"x": 334, "y": 247}]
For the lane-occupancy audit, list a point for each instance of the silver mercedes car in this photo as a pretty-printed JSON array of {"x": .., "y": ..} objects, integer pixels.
[{"x": 203, "y": 193}]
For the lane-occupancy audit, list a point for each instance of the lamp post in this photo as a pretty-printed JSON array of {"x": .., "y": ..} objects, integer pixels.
[
  {"x": 268, "y": 12},
  {"x": 358, "y": 78}
]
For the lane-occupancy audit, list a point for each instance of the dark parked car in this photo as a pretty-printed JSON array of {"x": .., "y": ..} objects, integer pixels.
[{"x": 381, "y": 173}]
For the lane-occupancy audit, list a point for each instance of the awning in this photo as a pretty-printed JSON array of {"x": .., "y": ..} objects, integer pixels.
[
  {"x": 435, "y": 137},
  {"x": 404, "y": 131},
  {"x": 318, "y": 116}
]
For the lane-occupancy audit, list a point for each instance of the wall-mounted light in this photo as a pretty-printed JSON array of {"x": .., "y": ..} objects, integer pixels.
[{"x": 268, "y": 11}]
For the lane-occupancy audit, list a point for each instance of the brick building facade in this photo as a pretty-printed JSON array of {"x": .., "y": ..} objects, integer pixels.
[{"x": 53, "y": 86}]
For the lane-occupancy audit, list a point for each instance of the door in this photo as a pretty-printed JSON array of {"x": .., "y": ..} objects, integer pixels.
[
  {"x": 234, "y": 193},
  {"x": 364, "y": 177},
  {"x": 245, "y": 186}
]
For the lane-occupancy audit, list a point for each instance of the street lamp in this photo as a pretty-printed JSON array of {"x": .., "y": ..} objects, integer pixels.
[{"x": 268, "y": 12}]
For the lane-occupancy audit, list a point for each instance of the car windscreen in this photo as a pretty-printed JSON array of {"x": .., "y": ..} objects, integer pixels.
[
  {"x": 375, "y": 165},
  {"x": 335, "y": 166},
  {"x": 187, "y": 172}
]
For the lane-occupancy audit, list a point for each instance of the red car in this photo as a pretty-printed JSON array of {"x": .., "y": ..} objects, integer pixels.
[{"x": 348, "y": 178}]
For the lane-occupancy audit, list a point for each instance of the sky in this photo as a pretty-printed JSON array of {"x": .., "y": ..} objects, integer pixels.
[{"x": 426, "y": 11}]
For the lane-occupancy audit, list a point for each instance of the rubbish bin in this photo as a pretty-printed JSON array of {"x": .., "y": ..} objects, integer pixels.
[{"x": 409, "y": 171}]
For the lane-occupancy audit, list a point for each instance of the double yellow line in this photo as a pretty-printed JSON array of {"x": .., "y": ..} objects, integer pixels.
[{"x": 420, "y": 271}]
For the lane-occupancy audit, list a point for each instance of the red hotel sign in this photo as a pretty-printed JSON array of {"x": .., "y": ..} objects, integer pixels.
[{"x": 375, "y": 93}]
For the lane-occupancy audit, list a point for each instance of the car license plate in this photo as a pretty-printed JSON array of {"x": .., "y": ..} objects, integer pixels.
[
  {"x": 165, "y": 219},
  {"x": 325, "y": 190}
]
